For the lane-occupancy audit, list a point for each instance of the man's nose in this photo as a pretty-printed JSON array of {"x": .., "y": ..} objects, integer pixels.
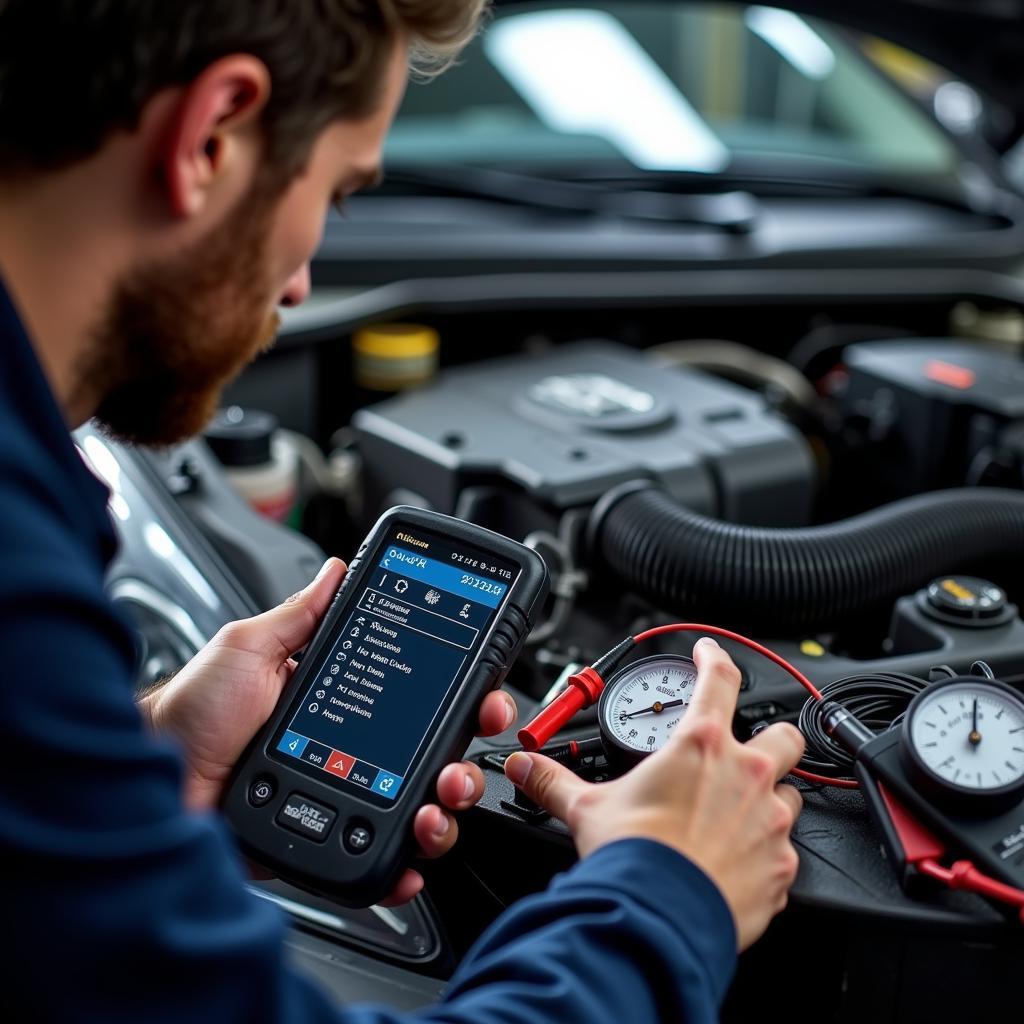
[{"x": 296, "y": 291}]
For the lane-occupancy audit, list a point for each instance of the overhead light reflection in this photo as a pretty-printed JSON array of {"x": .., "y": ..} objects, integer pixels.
[
  {"x": 958, "y": 107},
  {"x": 793, "y": 39},
  {"x": 582, "y": 71}
]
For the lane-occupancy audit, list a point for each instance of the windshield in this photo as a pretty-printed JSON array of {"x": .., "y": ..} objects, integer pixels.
[{"x": 707, "y": 88}]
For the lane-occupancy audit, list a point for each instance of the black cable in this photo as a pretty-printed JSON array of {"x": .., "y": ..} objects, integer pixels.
[{"x": 878, "y": 699}]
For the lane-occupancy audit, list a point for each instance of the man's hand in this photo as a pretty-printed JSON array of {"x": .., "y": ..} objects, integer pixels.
[
  {"x": 219, "y": 701},
  {"x": 715, "y": 800}
]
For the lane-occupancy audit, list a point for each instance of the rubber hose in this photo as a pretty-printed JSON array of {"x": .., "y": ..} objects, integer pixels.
[{"x": 803, "y": 577}]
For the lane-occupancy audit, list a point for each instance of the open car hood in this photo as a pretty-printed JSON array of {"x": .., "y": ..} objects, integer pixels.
[{"x": 979, "y": 41}]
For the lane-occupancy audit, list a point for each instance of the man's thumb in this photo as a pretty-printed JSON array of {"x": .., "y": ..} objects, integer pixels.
[
  {"x": 544, "y": 781},
  {"x": 291, "y": 625}
]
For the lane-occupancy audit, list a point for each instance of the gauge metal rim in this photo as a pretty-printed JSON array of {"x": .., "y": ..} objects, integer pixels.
[{"x": 975, "y": 682}]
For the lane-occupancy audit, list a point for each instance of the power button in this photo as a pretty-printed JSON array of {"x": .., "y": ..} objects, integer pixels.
[{"x": 261, "y": 792}]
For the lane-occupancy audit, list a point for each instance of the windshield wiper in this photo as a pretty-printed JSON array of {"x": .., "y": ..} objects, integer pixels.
[
  {"x": 965, "y": 192},
  {"x": 734, "y": 211}
]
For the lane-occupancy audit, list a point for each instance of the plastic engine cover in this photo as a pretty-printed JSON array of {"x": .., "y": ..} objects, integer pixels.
[{"x": 565, "y": 426}]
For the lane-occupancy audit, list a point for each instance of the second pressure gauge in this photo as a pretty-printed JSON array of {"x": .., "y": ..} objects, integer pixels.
[
  {"x": 642, "y": 703},
  {"x": 963, "y": 743}
]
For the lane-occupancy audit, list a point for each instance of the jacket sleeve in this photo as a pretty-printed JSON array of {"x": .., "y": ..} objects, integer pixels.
[{"x": 636, "y": 932}]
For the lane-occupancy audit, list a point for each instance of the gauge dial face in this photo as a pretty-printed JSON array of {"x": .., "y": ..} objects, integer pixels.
[
  {"x": 970, "y": 735},
  {"x": 644, "y": 702}
]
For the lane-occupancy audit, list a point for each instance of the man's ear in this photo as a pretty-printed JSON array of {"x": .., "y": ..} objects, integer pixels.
[{"x": 210, "y": 133}]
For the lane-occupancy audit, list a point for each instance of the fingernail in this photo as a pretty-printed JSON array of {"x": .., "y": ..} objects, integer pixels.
[
  {"x": 706, "y": 641},
  {"x": 518, "y": 768},
  {"x": 441, "y": 829},
  {"x": 308, "y": 589},
  {"x": 510, "y": 715},
  {"x": 469, "y": 789},
  {"x": 323, "y": 572}
]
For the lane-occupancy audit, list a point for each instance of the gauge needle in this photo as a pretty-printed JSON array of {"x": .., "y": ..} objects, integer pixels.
[
  {"x": 975, "y": 736},
  {"x": 656, "y": 707}
]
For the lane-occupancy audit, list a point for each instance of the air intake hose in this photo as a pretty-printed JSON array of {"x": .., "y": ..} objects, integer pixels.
[{"x": 798, "y": 578}]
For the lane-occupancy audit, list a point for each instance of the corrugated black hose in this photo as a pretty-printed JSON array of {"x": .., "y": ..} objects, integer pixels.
[{"x": 804, "y": 577}]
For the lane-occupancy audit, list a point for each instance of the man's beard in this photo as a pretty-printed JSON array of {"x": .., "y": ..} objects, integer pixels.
[{"x": 177, "y": 332}]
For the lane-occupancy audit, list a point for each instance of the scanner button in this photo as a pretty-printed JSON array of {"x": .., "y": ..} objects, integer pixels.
[
  {"x": 358, "y": 838},
  {"x": 261, "y": 792},
  {"x": 306, "y": 817}
]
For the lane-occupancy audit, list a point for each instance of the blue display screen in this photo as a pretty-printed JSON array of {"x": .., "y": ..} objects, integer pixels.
[{"x": 414, "y": 627}]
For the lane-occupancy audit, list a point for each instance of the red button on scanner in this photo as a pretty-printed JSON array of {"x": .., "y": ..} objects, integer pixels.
[{"x": 339, "y": 764}]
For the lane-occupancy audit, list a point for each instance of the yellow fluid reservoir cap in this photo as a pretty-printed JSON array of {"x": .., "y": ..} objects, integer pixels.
[
  {"x": 393, "y": 357},
  {"x": 396, "y": 341},
  {"x": 812, "y": 649}
]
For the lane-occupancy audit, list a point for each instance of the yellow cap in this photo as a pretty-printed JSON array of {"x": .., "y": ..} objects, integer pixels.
[
  {"x": 393, "y": 357},
  {"x": 396, "y": 341},
  {"x": 812, "y": 649}
]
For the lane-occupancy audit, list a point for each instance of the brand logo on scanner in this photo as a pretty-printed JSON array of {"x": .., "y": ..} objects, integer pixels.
[
  {"x": 309, "y": 817},
  {"x": 1011, "y": 844},
  {"x": 413, "y": 540}
]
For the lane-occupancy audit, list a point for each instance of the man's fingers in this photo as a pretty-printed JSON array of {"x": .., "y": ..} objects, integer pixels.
[
  {"x": 791, "y": 797},
  {"x": 718, "y": 681},
  {"x": 498, "y": 712},
  {"x": 545, "y": 782},
  {"x": 408, "y": 886},
  {"x": 435, "y": 830},
  {"x": 460, "y": 785},
  {"x": 783, "y": 743}
]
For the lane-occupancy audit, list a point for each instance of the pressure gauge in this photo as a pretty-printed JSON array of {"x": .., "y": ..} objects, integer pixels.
[
  {"x": 641, "y": 705},
  {"x": 963, "y": 744}
]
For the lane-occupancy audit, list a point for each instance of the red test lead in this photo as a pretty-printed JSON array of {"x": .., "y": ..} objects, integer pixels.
[{"x": 585, "y": 687}]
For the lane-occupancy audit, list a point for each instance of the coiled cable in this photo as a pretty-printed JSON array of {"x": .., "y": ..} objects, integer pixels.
[{"x": 878, "y": 699}]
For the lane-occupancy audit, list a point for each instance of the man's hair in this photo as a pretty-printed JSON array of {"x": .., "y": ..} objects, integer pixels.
[{"x": 72, "y": 72}]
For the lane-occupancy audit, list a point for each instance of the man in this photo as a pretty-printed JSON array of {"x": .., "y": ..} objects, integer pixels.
[{"x": 164, "y": 175}]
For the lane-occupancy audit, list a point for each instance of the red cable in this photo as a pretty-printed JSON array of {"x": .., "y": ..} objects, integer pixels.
[
  {"x": 696, "y": 627},
  {"x": 690, "y": 627},
  {"x": 577, "y": 696},
  {"x": 964, "y": 875},
  {"x": 825, "y": 780}
]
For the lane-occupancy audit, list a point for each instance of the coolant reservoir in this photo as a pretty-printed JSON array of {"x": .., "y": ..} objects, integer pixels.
[{"x": 258, "y": 461}]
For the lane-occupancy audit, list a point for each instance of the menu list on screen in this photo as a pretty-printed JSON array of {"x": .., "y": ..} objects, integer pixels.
[{"x": 418, "y": 621}]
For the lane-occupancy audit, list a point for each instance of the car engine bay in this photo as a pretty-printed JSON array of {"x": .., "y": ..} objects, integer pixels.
[{"x": 839, "y": 481}]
